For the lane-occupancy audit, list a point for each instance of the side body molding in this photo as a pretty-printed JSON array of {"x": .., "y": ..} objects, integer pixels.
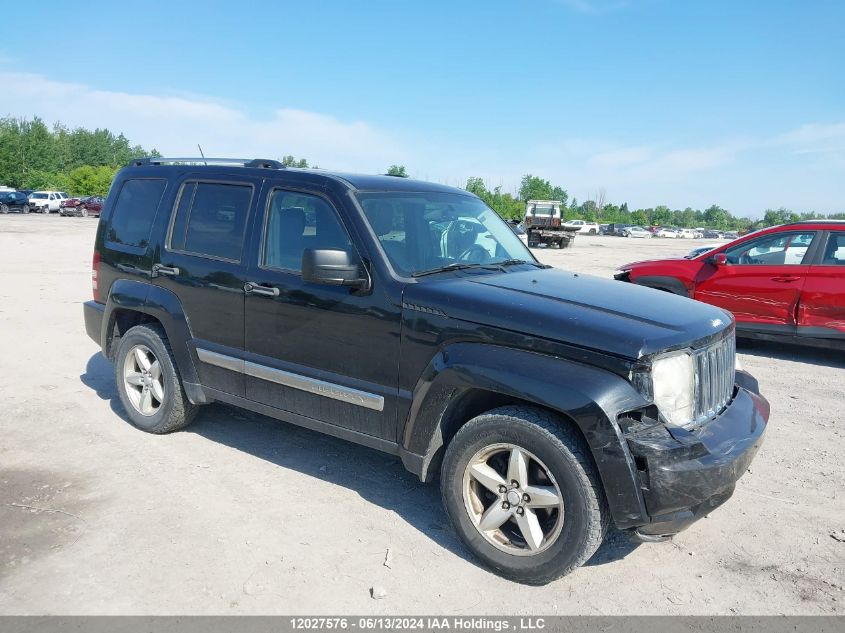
[
  {"x": 164, "y": 306},
  {"x": 591, "y": 397}
]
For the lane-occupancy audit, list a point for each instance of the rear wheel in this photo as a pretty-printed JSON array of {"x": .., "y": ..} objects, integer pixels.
[
  {"x": 4, "y": 208},
  {"x": 523, "y": 494},
  {"x": 148, "y": 382},
  {"x": 84, "y": 212},
  {"x": 45, "y": 209}
]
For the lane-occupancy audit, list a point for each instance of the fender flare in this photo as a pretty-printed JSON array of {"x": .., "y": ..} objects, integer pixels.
[
  {"x": 593, "y": 398},
  {"x": 165, "y": 307},
  {"x": 659, "y": 282}
]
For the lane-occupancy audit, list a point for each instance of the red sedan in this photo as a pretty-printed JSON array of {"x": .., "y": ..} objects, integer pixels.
[{"x": 786, "y": 282}]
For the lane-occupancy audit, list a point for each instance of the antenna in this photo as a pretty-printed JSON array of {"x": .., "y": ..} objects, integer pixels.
[{"x": 201, "y": 154}]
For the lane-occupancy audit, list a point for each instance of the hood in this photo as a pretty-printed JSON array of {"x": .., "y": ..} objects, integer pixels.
[{"x": 601, "y": 314}]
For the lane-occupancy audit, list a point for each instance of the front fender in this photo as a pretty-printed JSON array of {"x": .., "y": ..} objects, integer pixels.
[{"x": 593, "y": 398}]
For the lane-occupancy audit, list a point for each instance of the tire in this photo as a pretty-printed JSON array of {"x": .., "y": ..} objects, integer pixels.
[
  {"x": 571, "y": 533},
  {"x": 45, "y": 210},
  {"x": 592, "y": 231},
  {"x": 84, "y": 212},
  {"x": 4, "y": 209},
  {"x": 174, "y": 411},
  {"x": 25, "y": 209}
]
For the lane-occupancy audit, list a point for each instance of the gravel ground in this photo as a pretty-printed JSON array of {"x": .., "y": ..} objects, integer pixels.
[{"x": 242, "y": 514}]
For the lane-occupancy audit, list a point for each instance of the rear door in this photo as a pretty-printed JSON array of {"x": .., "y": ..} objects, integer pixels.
[
  {"x": 821, "y": 312},
  {"x": 203, "y": 261},
  {"x": 762, "y": 281}
]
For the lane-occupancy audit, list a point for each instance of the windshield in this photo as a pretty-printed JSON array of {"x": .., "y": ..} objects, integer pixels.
[
  {"x": 39, "y": 196},
  {"x": 427, "y": 231}
]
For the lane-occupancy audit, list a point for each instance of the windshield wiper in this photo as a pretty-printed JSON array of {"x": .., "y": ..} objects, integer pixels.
[
  {"x": 514, "y": 262},
  {"x": 443, "y": 269}
]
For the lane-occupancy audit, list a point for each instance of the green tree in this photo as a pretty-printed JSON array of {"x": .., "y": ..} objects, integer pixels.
[{"x": 397, "y": 170}]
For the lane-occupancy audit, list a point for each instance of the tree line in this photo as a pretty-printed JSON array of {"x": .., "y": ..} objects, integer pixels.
[
  {"x": 512, "y": 206},
  {"x": 84, "y": 162},
  {"x": 80, "y": 161}
]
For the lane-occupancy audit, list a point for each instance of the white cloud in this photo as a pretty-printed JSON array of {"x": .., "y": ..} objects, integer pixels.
[
  {"x": 799, "y": 168},
  {"x": 174, "y": 125}
]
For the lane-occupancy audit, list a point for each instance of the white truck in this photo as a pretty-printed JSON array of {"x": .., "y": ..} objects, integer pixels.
[
  {"x": 46, "y": 201},
  {"x": 544, "y": 226}
]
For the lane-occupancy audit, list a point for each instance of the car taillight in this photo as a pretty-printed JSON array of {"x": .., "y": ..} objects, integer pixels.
[{"x": 95, "y": 276}]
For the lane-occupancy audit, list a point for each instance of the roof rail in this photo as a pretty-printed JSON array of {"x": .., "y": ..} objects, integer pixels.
[{"x": 265, "y": 163}]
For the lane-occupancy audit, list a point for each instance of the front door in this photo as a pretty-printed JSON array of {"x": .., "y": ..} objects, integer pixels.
[
  {"x": 329, "y": 353},
  {"x": 761, "y": 282}
]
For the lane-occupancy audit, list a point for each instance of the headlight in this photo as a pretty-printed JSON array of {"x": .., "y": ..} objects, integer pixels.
[{"x": 671, "y": 386}]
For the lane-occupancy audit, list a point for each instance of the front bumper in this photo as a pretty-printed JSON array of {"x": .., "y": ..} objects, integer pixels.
[{"x": 684, "y": 474}]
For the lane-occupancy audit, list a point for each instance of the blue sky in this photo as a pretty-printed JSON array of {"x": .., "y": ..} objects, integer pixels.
[{"x": 682, "y": 103}]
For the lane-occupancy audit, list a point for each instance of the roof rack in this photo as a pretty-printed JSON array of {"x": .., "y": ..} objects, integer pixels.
[{"x": 265, "y": 163}]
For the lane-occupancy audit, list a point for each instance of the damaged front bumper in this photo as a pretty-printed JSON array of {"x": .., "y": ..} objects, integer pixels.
[{"x": 684, "y": 474}]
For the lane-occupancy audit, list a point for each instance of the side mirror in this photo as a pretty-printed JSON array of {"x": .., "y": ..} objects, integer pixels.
[
  {"x": 719, "y": 259},
  {"x": 332, "y": 268}
]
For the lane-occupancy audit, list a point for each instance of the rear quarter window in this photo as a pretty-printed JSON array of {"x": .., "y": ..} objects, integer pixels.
[{"x": 135, "y": 210}]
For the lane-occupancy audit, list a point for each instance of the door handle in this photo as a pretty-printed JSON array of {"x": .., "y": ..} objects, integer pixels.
[
  {"x": 785, "y": 280},
  {"x": 252, "y": 288},
  {"x": 169, "y": 271}
]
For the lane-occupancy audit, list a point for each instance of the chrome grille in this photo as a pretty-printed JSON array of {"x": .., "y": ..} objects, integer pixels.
[{"x": 715, "y": 368}]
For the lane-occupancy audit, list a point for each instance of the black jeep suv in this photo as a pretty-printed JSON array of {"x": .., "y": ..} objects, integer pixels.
[{"x": 408, "y": 317}]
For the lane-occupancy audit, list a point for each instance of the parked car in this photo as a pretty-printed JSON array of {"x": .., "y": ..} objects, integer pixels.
[
  {"x": 617, "y": 229},
  {"x": 782, "y": 283},
  {"x": 664, "y": 232},
  {"x": 549, "y": 404},
  {"x": 604, "y": 229},
  {"x": 687, "y": 234},
  {"x": 13, "y": 202},
  {"x": 519, "y": 230},
  {"x": 636, "y": 231},
  {"x": 68, "y": 206},
  {"x": 731, "y": 235},
  {"x": 93, "y": 205},
  {"x": 712, "y": 235},
  {"x": 45, "y": 201},
  {"x": 590, "y": 228}
]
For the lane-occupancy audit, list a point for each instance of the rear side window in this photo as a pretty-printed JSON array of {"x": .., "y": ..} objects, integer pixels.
[
  {"x": 210, "y": 219},
  {"x": 135, "y": 210}
]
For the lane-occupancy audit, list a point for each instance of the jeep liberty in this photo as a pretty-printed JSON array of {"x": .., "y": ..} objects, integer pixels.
[{"x": 406, "y": 316}]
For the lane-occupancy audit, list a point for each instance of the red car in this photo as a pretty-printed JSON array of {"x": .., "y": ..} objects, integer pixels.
[
  {"x": 83, "y": 207},
  {"x": 782, "y": 283}
]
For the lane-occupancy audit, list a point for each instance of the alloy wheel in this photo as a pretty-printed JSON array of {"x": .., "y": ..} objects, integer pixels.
[
  {"x": 513, "y": 499},
  {"x": 143, "y": 380}
]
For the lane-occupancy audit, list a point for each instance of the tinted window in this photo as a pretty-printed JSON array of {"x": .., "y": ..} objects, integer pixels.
[
  {"x": 834, "y": 252},
  {"x": 296, "y": 221},
  {"x": 781, "y": 249},
  {"x": 210, "y": 219},
  {"x": 135, "y": 210}
]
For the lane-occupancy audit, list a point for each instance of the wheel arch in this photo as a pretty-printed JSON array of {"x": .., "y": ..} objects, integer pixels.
[
  {"x": 132, "y": 303},
  {"x": 465, "y": 380}
]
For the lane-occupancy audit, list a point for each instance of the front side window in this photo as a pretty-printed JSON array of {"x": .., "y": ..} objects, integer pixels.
[
  {"x": 834, "y": 252},
  {"x": 211, "y": 219},
  {"x": 296, "y": 221},
  {"x": 424, "y": 231},
  {"x": 135, "y": 210},
  {"x": 781, "y": 249}
]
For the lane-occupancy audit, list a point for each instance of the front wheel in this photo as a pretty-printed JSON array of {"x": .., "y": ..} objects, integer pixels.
[
  {"x": 522, "y": 492},
  {"x": 84, "y": 212},
  {"x": 148, "y": 382},
  {"x": 45, "y": 210},
  {"x": 4, "y": 208}
]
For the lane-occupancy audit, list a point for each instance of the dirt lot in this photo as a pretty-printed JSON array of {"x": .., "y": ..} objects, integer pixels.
[{"x": 242, "y": 514}]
